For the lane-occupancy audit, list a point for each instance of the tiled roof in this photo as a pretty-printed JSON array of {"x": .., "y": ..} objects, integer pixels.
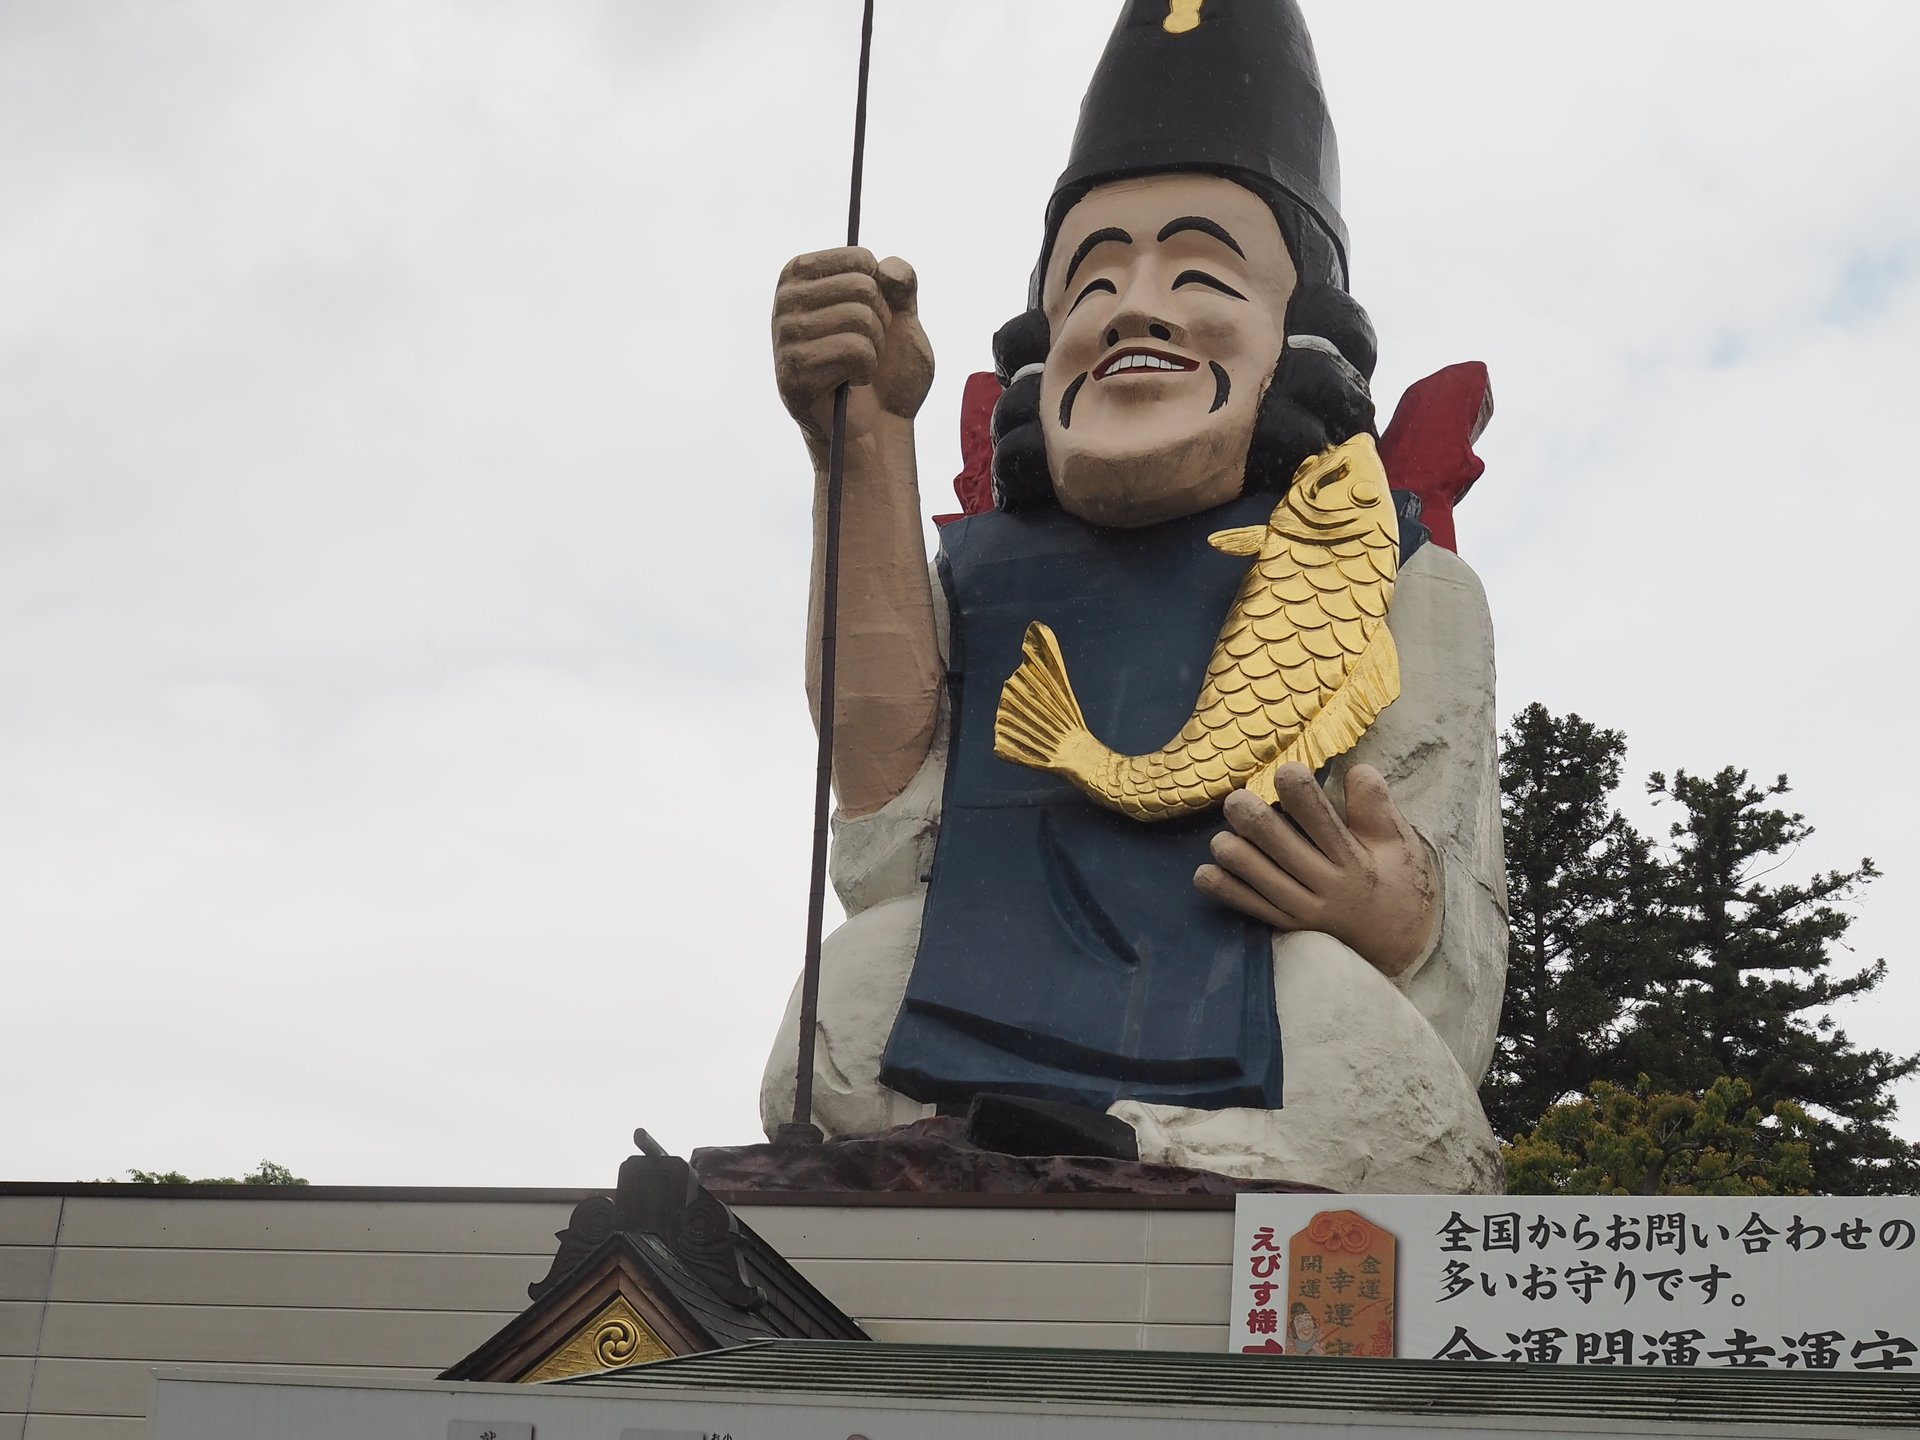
[{"x": 1754, "y": 1401}]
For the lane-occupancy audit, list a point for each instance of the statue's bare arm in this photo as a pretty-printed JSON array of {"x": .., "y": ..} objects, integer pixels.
[{"x": 842, "y": 316}]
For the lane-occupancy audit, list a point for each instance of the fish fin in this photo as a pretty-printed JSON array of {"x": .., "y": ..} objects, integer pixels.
[
  {"x": 1262, "y": 784},
  {"x": 1039, "y": 723},
  {"x": 1373, "y": 685},
  {"x": 1243, "y": 540}
]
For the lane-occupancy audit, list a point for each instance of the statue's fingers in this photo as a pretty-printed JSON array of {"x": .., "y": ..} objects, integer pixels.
[
  {"x": 1279, "y": 837},
  {"x": 823, "y": 364},
  {"x": 794, "y": 297},
  {"x": 819, "y": 264},
  {"x": 1371, "y": 813},
  {"x": 847, "y": 319},
  {"x": 898, "y": 284},
  {"x": 1307, "y": 805},
  {"x": 1249, "y": 864},
  {"x": 1217, "y": 884}
]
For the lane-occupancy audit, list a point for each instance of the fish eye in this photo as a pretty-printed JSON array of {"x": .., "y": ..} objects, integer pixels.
[{"x": 1339, "y": 472}]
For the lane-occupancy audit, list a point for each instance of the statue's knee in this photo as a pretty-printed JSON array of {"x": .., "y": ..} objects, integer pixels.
[
  {"x": 865, "y": 963},
  {"x": 1325, "y": 986},
  {"x": 863, "y": 975},
  {"x": 1354, "y": 1042}
]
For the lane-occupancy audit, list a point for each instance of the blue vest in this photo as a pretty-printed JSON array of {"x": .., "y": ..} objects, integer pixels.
[{"x": 1064, "y": 952}]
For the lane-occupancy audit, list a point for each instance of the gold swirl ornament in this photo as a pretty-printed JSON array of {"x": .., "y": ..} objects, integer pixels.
[
  {"x": 1304, "y": 663},
  {"x": 615, "y": 1336}
]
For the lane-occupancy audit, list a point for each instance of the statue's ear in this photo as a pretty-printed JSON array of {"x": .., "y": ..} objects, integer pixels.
[
  {"x": 1022, "y": 341},
  {"x": 1020, "y": 478}
]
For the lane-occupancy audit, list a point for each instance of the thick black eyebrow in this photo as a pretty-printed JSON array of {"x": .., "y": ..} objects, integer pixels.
[
  {"x": 1205, "y": 227},
  {"x": 1098, "y": 237},
  {"x": 1093, "y": 288}
]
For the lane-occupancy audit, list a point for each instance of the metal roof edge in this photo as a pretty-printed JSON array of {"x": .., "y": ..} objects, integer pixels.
[{"x": 534, "y": 1194}]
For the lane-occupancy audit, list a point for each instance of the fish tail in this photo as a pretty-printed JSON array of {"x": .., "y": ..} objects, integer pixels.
[{"x": 1038, "y": 722}]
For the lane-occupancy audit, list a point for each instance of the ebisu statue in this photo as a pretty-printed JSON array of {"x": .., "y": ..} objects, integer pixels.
[{"x": 1168, "y": 820}]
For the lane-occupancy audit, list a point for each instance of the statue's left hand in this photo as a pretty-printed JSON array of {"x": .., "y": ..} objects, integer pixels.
[{"x": 1368, "y": 881}]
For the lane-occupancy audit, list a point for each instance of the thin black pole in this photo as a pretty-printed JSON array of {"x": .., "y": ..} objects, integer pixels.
[{"x": 802, "y": 1128}]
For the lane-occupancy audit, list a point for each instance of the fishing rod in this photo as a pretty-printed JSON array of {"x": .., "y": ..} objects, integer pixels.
[{"x": 802, "y": 1130}]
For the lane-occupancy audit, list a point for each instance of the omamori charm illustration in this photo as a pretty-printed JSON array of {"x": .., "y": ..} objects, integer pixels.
[
  {"x": 1304, "y": 663},
  {"x": 1332, "y": 1290}
]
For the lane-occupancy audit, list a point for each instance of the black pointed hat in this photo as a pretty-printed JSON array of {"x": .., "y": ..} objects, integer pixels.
[{"x": 1220, "y": 85}]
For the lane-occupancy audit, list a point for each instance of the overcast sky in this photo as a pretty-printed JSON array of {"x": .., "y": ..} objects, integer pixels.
[{"x": 404, "y": 772}]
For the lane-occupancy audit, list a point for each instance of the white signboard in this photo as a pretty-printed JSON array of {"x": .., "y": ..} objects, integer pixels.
[{"x": 1815, "y": 1283}]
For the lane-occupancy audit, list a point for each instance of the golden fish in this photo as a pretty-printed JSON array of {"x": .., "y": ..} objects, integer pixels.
[{"x": 1303, "y": 665}]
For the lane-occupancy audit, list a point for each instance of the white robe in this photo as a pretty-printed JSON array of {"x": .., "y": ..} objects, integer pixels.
[{"x": 1380, "y": 1075}]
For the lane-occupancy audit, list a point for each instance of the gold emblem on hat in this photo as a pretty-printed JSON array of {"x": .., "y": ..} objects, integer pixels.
[{"x": 1182, "y": 16}]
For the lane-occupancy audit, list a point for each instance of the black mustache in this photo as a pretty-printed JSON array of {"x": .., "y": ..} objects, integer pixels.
[
  {"x": 1066, "y": 401},
  {"x": 1222, "y": 387}
]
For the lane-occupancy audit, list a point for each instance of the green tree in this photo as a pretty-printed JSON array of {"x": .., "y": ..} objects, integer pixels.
[
  {"x": 268, "y": 1173},
  {"x": 1746, "y": 970},
  {"x": 1615, "y": 1141},
  {"x": 1580, "y": 887}
]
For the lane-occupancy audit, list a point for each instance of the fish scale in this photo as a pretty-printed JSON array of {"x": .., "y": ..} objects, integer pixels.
[{"x": 1303, "y": 664}]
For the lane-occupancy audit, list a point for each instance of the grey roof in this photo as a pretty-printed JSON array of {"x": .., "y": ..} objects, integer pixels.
[
  {"x": 1131, "y": 1380},
  {"x": 792, "y": 1305}
]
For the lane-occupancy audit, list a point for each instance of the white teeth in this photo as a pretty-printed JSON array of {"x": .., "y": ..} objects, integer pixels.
[{"x": 1142, "y": 362}]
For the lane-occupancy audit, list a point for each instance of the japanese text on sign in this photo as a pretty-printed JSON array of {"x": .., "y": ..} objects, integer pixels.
[{"x": 1816, "y": 1283}]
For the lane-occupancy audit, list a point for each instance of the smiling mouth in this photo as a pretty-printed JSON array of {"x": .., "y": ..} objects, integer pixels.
[{"x": 1139, "y": 360}]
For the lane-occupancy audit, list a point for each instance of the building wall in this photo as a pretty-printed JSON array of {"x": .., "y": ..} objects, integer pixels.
[{"x": 100, "y": 1283}]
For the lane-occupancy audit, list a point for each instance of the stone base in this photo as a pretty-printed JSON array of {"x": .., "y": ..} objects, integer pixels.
[{"x": 933, "y": 1157}]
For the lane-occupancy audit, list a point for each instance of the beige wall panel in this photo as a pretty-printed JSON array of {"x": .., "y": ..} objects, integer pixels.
[
  {"x": 19, "y": 1326},
  {"x": 29, "y": 1219},
  {"x": 1185, "y": 1294},
  {"x": 459, "y": 1226},
  {"x": 1182, "y": 1237},
  {"x": 805, "y": 1232},
  {"x": 1083, "y": 1335},
  {"x": 124, "y": 1387},
  {"x": 978, "y": 1289},
  {"x": 16, "y": 1376},
  {"x": 271, "y": 1278},
  {"x": 1191, "y": 1237},
  {"x": 1034, "y": 1290},
  {"x": 12, "y": 1427},
  {"x": 24, "y": 1270},
  {"x": 222, "y": 1334},
  {"x": 83, "y": 1427}
]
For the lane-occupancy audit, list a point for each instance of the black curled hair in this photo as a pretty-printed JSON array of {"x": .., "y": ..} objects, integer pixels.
[{"x": 1318, "y": 395}]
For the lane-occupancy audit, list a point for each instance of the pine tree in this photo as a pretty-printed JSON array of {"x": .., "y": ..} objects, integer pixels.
[
  {"x": 1579, "y": 886},
  {"x": 1746, "y": 971},
  {"x": 1615, "y": 1141}
]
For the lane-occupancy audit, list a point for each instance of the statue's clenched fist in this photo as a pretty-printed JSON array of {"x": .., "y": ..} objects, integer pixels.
[{"x": 842, "y": 316}]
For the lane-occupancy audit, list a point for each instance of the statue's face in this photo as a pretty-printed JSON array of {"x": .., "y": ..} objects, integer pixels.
[{"x": 1166, "y": 298}]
